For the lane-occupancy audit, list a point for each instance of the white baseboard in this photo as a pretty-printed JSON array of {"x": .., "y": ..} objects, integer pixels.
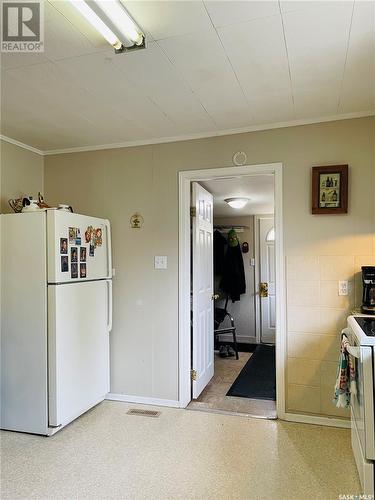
[
  {"x": 111, "y": 396},
  {"x": 289, "y": 417},
  {"x": 315, "y": 420}
]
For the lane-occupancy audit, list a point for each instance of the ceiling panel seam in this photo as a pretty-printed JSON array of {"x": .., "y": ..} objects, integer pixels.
[
  {"x": 288, "y": 59},
  {"x": 69, "y": 21},
  {"x": 230, "y": 63},
  {"x": 346, "y": 58},
  {"x": 187, "y": 84}
]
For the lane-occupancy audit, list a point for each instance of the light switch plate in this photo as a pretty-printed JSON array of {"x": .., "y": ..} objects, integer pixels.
[
  {"x": 343, "y": 288},
  {"x": 161, "y": 262}
]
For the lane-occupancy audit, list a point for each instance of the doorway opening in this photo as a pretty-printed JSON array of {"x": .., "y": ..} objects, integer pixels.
[{"x": 234, "y": 257}]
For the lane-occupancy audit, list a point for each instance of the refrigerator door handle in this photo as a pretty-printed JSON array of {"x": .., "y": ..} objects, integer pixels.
[
  {"x": 109, "y": 304},
  {"x": 109, "y": 249}
]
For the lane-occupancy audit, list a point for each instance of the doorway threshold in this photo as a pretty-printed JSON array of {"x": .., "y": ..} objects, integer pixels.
[
  {"x": 214, "y": 397},
  {"x": 264, "y": 413}
]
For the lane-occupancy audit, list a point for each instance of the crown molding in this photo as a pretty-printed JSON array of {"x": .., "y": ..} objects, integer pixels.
[
  {"x": 207, "y": 135},
  {"x": 21, "y": 145},
  {"x": 189, "y": 137}
]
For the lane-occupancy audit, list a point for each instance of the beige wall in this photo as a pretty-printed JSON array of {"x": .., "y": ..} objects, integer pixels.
[
  {"x": 21, "y": 174},
  {"x": 243, "y": 311},
  {"x": 116, "y": 183}
]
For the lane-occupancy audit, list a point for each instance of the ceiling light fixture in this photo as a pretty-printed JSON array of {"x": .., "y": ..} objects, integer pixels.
[
  {"x": 237, "y": 202},
  {"x": 113, "y": 22}
]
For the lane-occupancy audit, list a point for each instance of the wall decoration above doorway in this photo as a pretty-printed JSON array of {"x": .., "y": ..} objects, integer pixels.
[
  {"x": 136, "y": 221},
  {"x": 330, "y": 189}
]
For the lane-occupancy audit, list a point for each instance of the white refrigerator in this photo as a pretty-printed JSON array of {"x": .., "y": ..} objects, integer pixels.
[{"x": 56, "y": 315}]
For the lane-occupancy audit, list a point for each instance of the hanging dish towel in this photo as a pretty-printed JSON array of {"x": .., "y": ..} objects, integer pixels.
[{"x": 345, "y": 383}]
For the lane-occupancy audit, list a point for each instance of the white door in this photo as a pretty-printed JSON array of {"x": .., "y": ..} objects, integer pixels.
[
  {"x": 79, "y": 322},
  {"x": 202, "y": 262},
  {"x": 72, "y": 252},
  {"x": 267, "y": 287}
]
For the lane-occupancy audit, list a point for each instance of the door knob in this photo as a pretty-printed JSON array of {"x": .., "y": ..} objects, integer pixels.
[
  {"x": 263, "y": 289},
  {"x": 215, "y": 296}
]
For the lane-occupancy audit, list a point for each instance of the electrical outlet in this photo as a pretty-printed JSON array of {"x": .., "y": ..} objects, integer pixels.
[{"x": 343, "y": 288}]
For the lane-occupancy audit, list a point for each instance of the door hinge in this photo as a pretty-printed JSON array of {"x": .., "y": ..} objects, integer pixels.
[
  {"x": 193, "y": 374},
  {"x": 193, "y": 212}
]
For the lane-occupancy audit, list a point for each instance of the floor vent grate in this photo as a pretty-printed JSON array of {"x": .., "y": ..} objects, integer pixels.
[{"x": 143, "y": 413}]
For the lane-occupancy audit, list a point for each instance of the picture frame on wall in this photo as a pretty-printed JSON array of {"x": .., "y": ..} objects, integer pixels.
[{"x": 330, "y": 190}]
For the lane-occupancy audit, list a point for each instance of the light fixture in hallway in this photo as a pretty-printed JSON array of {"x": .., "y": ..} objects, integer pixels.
[{"x": 237, "y": 202}]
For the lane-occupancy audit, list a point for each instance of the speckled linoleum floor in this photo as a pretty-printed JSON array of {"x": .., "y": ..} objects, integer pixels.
[{"x": 107, "y": 454}]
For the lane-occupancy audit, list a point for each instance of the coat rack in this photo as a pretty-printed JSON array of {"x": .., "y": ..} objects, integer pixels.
[{"x": 227, "y": 228}]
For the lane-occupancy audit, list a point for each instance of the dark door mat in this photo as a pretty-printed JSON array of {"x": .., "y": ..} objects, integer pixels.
[
  {"x": 242, "y": 347},
  {"x": 257, "y": 379}
]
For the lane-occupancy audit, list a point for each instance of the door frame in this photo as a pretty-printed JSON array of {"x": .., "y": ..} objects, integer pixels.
[
  {"x": 257, "y": 272},
  {"x": 184, "y": 340}
]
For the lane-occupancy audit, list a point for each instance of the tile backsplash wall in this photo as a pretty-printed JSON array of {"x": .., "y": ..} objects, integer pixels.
[{"x": 316, "y": 314}]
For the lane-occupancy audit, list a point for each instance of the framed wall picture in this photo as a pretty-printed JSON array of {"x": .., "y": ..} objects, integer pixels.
[{"x": 330, "y": 189}]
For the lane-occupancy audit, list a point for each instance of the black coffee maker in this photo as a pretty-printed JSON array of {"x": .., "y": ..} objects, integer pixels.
[{"x": 368, "y": 280}]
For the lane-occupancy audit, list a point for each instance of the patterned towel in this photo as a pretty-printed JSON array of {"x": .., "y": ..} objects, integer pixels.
[{"x": 345, "y": 383}]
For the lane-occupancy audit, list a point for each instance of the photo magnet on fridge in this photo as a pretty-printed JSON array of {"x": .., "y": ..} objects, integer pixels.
[
  {"x": 88, "y": 234},
  {"x": 72, "y": 235},
  {"x": 82, "y": 270},
  {"x": 64, "y": 264},
  {"x": 63, "y": 245},
  {"x": 82, "y": 254},
  {"x": 92, "y": 251},
  {"x": 73, "y": 254},
  {"x": 78, "y": 236},
  {"x": 74, "y": 270}
]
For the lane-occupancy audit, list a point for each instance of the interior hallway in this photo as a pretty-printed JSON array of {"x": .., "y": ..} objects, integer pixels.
[{"x": 107, "y": 454}]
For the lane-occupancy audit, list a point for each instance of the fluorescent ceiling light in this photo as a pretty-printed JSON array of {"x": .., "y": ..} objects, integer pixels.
[
  {"x": 112, "y": 21},
  {"x": 237, "y": 202},
  {"x": 115, "y": 11},
  {"x": 97, "y": 23}
]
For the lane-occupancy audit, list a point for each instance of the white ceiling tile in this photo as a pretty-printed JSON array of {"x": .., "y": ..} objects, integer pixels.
[
  {"x": 358, "y": 89},
  {"x": 226, "y": 13},
  {"x": 205, "y": 66},
  {"x": 114, "y": 92},
  {"x": 273, "y": 108},
  {"x": 316, "y": 101},
  {"x": 154, "y": 76},
  {"x": 150, "y": 71},
  {"x": 10, "y": 60},
  {"x": 40, "y": 98},
  {"x": 80, "y": 93},
  {"x": 63, "y": 15},
  {"x": 165, "y": 19},
  {"x": 185, "y": 111},
  {"x": 306, "y": 5},
  {"x": 259, "y": 58},
  {"x": 317, "y": 42},
  {"x": 48, "y": 81},
  {"x": 201, "y": 61},
  {"x": 63, "y": 39}
]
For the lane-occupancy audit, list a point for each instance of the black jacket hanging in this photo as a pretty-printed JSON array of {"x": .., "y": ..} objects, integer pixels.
[
  {"x": 219, "y": 252},
  {"x": 233, "y": 281}
]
